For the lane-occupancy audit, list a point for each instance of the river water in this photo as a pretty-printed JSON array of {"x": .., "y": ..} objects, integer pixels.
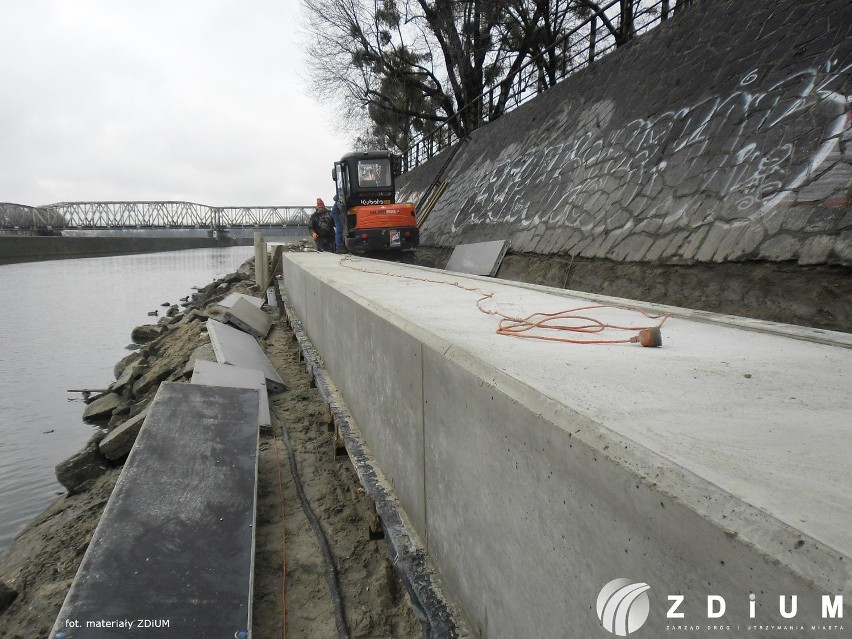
[{"x": 63, "y": 325}]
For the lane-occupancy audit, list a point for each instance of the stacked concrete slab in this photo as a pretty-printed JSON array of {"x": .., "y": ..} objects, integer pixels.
[
  {"x": 175, "y": 545},
  {"x": 537, "y": 473},
  {"x": 237, "y": 348}
]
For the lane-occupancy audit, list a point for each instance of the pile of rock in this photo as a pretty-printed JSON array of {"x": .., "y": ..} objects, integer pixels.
[{"x": 166, "y": 352}]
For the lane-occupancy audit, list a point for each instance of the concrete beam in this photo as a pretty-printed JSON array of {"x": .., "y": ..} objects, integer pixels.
[{"x": 537, "y": 472}]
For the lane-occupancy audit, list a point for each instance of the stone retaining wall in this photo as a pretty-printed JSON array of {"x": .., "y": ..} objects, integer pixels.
[{"x": 722, "y": 135}]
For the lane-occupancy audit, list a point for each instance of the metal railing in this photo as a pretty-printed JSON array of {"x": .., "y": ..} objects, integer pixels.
[
  {"x": 125, "y": 215},
  {"x": 586, "y": 42}
]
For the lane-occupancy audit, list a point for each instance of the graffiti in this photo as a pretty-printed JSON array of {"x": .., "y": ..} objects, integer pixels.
[{"x": 743, "y": 150}]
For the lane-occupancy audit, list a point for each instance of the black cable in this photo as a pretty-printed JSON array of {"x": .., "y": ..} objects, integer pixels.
[{"x": 330, "y": 569}]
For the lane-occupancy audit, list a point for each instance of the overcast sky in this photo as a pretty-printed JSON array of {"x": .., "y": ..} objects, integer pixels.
[{"x": 198, "y": 100}]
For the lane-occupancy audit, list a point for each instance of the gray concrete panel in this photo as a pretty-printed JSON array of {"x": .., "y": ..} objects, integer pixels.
[
  {"x": 215, "y": 374},
  {"x": 715, "y": 465},
  {"x": 175, "y": 544},
  {"x": 231, "y": 298},
  {"x": 234, "y": 347},
  {"x": 249, "y": 318},
  {"x": 480, "y": 258}
]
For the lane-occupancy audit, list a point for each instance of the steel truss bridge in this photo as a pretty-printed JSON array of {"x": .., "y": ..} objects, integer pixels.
[{"x": 146, "y": 215}]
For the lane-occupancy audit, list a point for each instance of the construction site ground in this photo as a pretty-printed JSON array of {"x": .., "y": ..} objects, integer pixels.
[{"x": 42, "y": 562}]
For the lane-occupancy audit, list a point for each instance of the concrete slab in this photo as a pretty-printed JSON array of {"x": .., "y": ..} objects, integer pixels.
[
  {"x": 203, "y": 352},
  {"x": 214, "y": 374},
  {"x": 175, "y": 544},
  {"x": 481, "y": 258},
  {"x": 249, "y": 318},
  {"x": 232, "y": 298},
  {"x": 715, "y": 465},
  {"x": 234, "y": 347}
]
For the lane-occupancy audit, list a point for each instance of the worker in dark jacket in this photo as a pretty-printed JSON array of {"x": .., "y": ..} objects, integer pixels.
[{"x": 322, "y": 227}]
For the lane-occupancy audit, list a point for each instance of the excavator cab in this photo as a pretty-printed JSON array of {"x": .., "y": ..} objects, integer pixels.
[{"x": 373, "y": 219}]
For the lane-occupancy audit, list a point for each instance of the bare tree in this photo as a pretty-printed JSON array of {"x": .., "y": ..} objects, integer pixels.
[
  {"x": 396, "y": 69},
  {"x": 412, "y": 64}
]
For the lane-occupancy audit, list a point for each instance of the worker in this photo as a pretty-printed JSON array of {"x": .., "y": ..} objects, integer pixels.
[
  {"x": 322, "y": 227},
  {"x": 339, "y": 244}
]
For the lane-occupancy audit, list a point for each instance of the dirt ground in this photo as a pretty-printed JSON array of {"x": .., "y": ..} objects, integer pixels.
[
  {"x": 376, "y": 604},
  {"x": 41, "y": 564},
  {"x": 815, "y": 296}
]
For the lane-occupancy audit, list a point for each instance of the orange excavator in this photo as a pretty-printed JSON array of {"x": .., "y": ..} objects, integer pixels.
[{"x": 372, "y": 219}]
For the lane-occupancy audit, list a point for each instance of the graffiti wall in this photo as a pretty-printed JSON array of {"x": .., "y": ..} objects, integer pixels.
[{"x": 723, "y": 135}]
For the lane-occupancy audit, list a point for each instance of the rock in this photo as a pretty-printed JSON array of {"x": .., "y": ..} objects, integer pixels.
[
  {"x": 129, "y": 374},
  {"x": 192, "y": 316},
  {"x": 165, "y": 321},
  {"x": 141, "y": 407},
  {"x": 102, "y": 407},
  {"x": 124, "y": 362},
  {"x": 7, "y": 596},
  {"x": 173, "y": 310},
  {"x": 119, "y": 442},
  {"x": 119, "y": 415},
  {"x": 146, "y": 333},
  {"x": 151, "y": 378},
  {"x": 247, "y": 269},
  {"x": 205, "y": 351},
  {"x": 80, "y": 471}
]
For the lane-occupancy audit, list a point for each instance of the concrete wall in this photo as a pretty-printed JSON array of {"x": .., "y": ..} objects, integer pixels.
[
  {"x": 722, "y": 135},
  {"x": 526, "y": 507},
  {"x": 33, "y": 248}
]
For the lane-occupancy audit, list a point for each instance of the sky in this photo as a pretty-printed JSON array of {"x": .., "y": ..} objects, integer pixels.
[{"x": 205, "y": 101}]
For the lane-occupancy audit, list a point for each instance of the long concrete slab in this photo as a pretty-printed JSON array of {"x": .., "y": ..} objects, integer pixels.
[
  {"x": 233, "y": 346},
  {"x": 538, "y": 472},
  {"x": 215, "y": 374},
  {"x": 175, "y": 544}
]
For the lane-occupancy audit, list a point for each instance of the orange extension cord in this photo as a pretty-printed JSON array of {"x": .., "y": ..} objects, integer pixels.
[{"x": 519, "y": 327}]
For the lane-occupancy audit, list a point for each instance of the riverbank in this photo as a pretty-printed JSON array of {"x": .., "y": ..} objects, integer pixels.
[{"x": 42, "y": 562}]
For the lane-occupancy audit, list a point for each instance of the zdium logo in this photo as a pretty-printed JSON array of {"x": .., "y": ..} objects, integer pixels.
[{"x": 623, "y": 606}]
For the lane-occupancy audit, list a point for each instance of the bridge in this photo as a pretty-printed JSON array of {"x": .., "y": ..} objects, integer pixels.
[{"x": 147, "y": 215}]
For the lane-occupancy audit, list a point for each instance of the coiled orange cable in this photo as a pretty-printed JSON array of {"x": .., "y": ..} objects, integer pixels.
[{"x": 511, "y": 326}]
